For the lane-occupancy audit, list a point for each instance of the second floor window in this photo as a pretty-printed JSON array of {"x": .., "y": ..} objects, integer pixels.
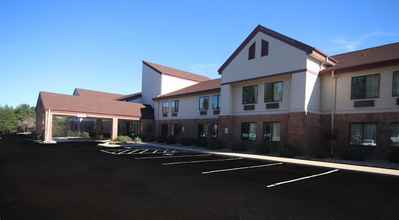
[
  {"x": 165, "y": 109},
  {"x": 395, "y": 84},
  {"x": 203, "y": 103},
  {"x": 265, "y": 48},
  {"x": 249, "y": 95},
  {"x": 175, "y": 107},
  {"x": 215, "y": 102},
  {"x": 364, "y": 87},
  {"x": 251, "y": 51},
  {"x": 274, "y": 92}
]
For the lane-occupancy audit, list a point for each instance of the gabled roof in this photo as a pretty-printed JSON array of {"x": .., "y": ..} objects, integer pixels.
[
  {"x": 131, "y": 96},
  {"x": 367, "y": 58},
  {"x": 161, "y": 69},
  {"x": 96, "y": 94},
  {"x": 88, "y": 104},
  {"x": 206, "y": 86},
  {"x": 316, "y": 53}
]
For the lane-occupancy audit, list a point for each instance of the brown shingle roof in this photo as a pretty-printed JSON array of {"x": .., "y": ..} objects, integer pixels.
[
  {"x": 161, "y": 69},
  {"x": 206, "y": 86},
  {"x": 88, "y": 104},
  {"x": 96, "y": 94},
  {"x": 367, "y": 58},
  {"x": 300, "y": 45}
]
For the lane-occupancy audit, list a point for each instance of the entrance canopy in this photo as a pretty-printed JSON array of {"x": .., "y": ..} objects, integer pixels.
[{"x": 90, "y": 104}]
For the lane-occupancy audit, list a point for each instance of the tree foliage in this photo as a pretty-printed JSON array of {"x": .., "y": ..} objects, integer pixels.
[{"x": 21, "y": 118}]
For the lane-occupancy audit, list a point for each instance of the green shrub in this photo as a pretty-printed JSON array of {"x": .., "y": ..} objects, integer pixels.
[
  {"x": 289, "y": 151},
  {"x": 170, "y": 140},
  {"x": 187, "y": 141},
  {"x": 263, "y": 148},
  {"x": 359, "y": 153},
  {"x": 123, "y": 139},
  {"x": 239, "y": 147},
  {"x": 137, "y": 140},
  {"x": 201, "y": 142},
  {"x": 214, "y": 144},
  {"x": 393, "y": 155},
  {"x": 85, "y": 135}
]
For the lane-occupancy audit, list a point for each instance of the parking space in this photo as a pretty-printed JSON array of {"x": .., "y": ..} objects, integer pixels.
[{"x": 157, "y": 183}]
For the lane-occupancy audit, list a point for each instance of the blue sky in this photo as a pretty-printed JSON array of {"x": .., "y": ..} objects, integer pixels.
[{"x": 59, "y": 45}]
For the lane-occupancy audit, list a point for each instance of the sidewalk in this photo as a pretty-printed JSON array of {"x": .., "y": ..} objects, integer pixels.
[{"x": 343, "y": 165}]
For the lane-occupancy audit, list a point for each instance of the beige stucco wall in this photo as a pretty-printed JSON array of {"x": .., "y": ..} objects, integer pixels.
[
  {"x": 282, "y": 58},
  {"x": 344, "y": 104}
]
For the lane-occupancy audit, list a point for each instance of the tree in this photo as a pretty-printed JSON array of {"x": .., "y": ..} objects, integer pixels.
[
  {"x": 25, "y": 117},
  {"x": 8, "y": 120}
]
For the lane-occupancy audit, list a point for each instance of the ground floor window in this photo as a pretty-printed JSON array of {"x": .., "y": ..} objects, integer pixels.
[
  {"x": 176, "y": 129},
  {"x": 271, "y": 132},
  {"x": 248, "y": 131},
  {"x": 394, "y": 134},
  {"x": 214, "y": 130},
  {"x": 364, "y": 134},
  {"x": 164, "y": 130},
  {"x": 203, "y": 130}
]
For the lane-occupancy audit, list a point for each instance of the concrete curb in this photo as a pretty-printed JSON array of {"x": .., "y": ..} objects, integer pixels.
[{"x": 341, "y": 166}]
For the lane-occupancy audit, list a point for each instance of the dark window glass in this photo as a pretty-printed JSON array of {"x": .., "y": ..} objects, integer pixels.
[
  {"x": 271, "y": 132},
  {"x": 364, "y": 134},
  {"x": 249, "y": 95},
  {"x": 274, "y": 92},
  {"x": 214, "y": 130},
  {"x": 175, "y": 106},
  {"x": 364, "y": 87},
  {"x": 215, "y": 102},
  {"x": 395, "y": 84},
  {"x": 176, "y": 129},
  {"x": 202, "y": 130},
  {"x": 395, "y": 134},
  {"x": 251, "y": 51},
  {"x": 165, "y": 108},
  {"x": 164, "y": 130},
  {"x": 248, "y": 131},
  {"x": 265, "y": 48},
  {"x": 203, "y": 103}
]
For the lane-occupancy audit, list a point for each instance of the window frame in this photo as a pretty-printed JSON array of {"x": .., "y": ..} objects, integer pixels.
[
  {"x": 165, "y": 108},
  {"x": 273, "y": 84},
  {"x": 256, "y": 93},
  {"x": 252, "y": 51},
  {"x": 265, "y": 48},
  {"x": 200, "y": 109},
  {"x": 271, "y": 123},
  {"x": 362, "y": 133},
  {"x": 205, "y": 130},
  {"x": 365, "y": 90},
  {"x": 395, "y": 73},
  {"x": 174, "y": 107},
  {"x": 249, "y": 131},
  {"x": 391, "y": 134},
  {"x": 214, "y": 133},
  {"x": 218, "y": 102}
]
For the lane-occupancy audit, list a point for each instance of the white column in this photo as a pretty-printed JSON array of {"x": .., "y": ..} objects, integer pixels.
[
  {"x": 226, "y": 100},
  {"x": 114, "y": 128},
  {"x": 48, "y": 127}
]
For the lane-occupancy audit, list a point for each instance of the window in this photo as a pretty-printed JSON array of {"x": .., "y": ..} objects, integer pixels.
[
  {"x": 164, "y": 130},
  {"x": 174, "y": 107},
  {"x": 248, "y": 131},
  {"x": 203, "y": 104},
  {"x": 395, "y": 134},
  {"x": 203, "y": 130},
  {"x": 274, "y": 92},
  {"x": 265, "y": 48},
  {"x": 176, "y": 129},
  {"x": 364, "y": 134},
  {"x": 271, "y": 132},
  {"x": 216, "y": 104},
  {"x": 395, "y": 84},
  {"x": 251, "y": 51},
  {"x": 249, "y": 95},
  {"x": 214, "y": 130},
  {"x": 364, "y": 87},
  {"x": 165, "y": 109}
]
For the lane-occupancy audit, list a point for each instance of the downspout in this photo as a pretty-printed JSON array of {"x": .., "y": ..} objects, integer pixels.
[{"x": 333, "y": 110}]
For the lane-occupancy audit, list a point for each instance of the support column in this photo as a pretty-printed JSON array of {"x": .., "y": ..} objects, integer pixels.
[
  {"x": 48, "y": 127},
  {"x": 114, "y": 128}
]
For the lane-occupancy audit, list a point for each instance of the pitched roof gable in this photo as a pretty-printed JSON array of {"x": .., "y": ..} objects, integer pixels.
[
  {"x": 161, "y": 69},
  {"x": 297, "y": 44},
  {"x": 206, "y": 86}
]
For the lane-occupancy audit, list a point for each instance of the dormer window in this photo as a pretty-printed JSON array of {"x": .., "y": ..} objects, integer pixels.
[
  {"x": 265, "y": 48},
  {"x": 251, "y": 51}
]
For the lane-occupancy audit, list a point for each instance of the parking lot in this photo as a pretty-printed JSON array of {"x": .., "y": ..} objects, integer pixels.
[{"x": 82, "y": 181}]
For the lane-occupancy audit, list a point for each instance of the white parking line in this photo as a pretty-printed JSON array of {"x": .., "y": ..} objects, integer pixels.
[
  {"x": 107, "y": 152},
  {"x": 178, "y": 156},
  {"x": 302, "y": 178},
  {"x": 142, "y": 152},
  {"x": 155, "y": 151},
  {"x": 241, "y": 168},
  {"x": 134, "y": 151},
  {"x": 199, "y": 161},
  {"x": 123, "y": 151}
]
